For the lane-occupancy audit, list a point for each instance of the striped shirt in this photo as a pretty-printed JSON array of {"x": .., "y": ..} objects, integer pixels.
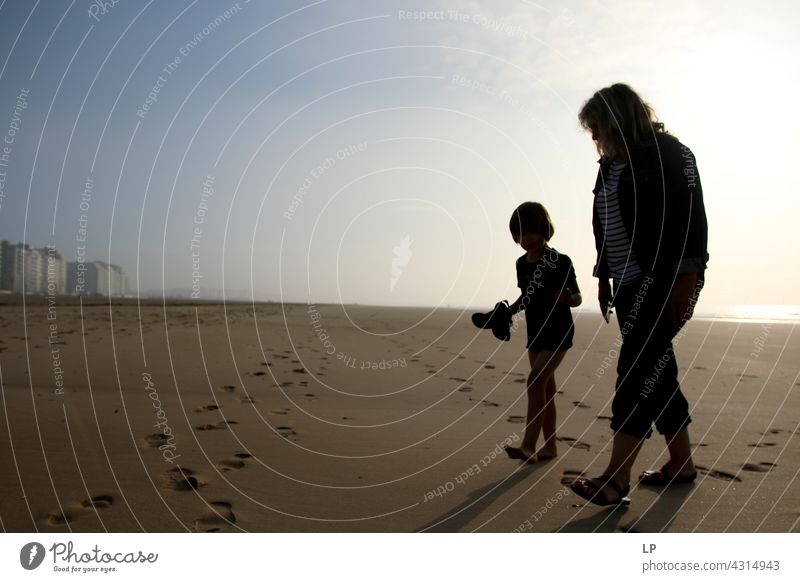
[{"x": 622, "y": 264}]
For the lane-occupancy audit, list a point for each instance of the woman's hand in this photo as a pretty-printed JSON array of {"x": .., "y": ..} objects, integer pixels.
[
  {"x": 604, "y": 295},
  {"x": 682, "y": 299}
]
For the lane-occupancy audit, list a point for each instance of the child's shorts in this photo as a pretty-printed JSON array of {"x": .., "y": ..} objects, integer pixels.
[{"x": 549, "y": 339}]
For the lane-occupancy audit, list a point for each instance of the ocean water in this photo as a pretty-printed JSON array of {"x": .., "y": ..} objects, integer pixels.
[
  {"x": 753, "y": 313},
  {"x": 735, "y": 313}
]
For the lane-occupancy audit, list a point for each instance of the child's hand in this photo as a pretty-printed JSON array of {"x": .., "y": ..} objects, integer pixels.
[{"x": 564, "y": 296}]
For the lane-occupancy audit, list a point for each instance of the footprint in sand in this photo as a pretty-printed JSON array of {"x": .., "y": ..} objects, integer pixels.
[
  {"x": 458, "y": 379},
  {"x": 699, "y": 368},
  {"x": 717, "y": 474},
  {"x": 759, "y": 468},
  {"x": 216, "y": 517},
  {"x": 285, "y": 431},
  {"x": 299, "y": 370},
  {"x": 209, "y": 426},
  {"x": 575, "y": 444},
  {"x": 747, "y": 375},
  {"x": 207, "y": 407},
  {"x": 98, "y": 502},
  {"x": 465, "y": 389},
  {"x": 157, "y": 439},
  {"x": 231, "y": 464},
  {"x": 603, "y": 417},
  {"x": 221, "y": 425},
  {"x": 489, "y": 403},
  {"x": 235, "y": 463},
  {"x": 310, "y": 396},
  {"x": 569, "y": 476},
  {"x": 489, "y": 366},
  {"x": 698, "y": 445},
  {"x": 182, "y": 479},
  {"x": 227, "y": 388},
  {"x": 773, "y": 431},
  {"x": 248, "y": 400},
  {"x": 520, "y": 380},
  {"x": 281, "y": 411},
  {"x": 580, "y": 404},
  {"x": 73, "y": 511},
  {"x": 516, "y": 419},
  {"x": 760, "y": 445},
  {"x": 259, "y": 373},
  {"x": 62, "y": 517}
]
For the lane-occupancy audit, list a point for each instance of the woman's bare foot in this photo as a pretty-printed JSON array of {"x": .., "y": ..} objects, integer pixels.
[{"x": 521, "y": 454}]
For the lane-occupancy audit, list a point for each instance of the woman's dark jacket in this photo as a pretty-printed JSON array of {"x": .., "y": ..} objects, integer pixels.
[{"x": 661, "y": 202}]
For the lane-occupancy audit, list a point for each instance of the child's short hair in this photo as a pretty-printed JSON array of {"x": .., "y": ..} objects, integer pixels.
[{"x": 531, "y": 217}]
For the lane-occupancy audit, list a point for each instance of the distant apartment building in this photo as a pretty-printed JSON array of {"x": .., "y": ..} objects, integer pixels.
[
  {"x": 55, "y": 272},
  {"x": 27, "y": 270},
  {"x": 119, "y": 281},
  {"x": 96, "y": 278},
  {"x": 44, "y": 271}
]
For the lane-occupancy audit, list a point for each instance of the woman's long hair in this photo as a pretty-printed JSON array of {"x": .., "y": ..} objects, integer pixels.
[{"x": 619, "y": 120}]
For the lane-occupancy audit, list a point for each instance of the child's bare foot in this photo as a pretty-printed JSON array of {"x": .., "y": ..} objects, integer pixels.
[
  {"x": 547, "y": 452},
  {"x": 521, "y": 454}
]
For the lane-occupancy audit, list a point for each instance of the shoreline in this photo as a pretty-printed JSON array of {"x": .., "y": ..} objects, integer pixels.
[{"x": 16, "y": 299}]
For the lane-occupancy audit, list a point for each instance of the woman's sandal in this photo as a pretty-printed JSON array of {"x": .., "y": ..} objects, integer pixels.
[
  {"x": 662, "y": 478},
  {"x": 595, "y": 493}
]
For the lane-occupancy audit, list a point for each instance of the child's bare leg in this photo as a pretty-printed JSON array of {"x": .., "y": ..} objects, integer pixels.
[
  {"x": 535, "y": 416},
  {"x": 543, "y": 366},
  {"x": 549, "y": 448}
]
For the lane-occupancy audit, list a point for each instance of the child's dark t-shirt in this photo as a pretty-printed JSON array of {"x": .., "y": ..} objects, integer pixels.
[{"x": 549, "y": 323}]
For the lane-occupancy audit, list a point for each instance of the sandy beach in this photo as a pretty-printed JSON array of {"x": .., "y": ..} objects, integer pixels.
[{"x": 297, "y": 418}]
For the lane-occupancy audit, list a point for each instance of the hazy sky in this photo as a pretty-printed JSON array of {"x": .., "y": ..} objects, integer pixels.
[{"x": 373, "y": 151}]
